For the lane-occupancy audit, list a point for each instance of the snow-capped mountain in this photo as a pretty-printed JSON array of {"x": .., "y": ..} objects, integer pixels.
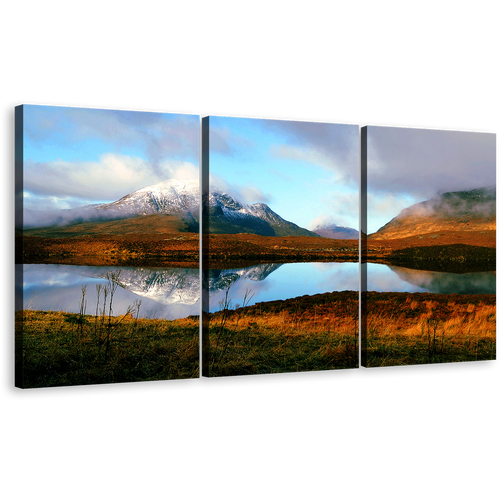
[
  {"x": 170, "y": 197},
  {"x": 181, "y": 199}
]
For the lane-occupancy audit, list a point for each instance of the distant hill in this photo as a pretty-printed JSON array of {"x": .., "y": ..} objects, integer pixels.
[
  {"x": 473, "y": 210},
  {"x": 336, "y": 232}
]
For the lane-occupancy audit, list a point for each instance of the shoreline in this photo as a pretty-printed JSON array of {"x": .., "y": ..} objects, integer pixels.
[
  {"x": 437, "y": 265},
  {"x": 246, "y": 250}
]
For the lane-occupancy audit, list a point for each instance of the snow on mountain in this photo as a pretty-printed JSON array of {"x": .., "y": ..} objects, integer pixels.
[
  {"x": 226, "y": 215},
  {"x": 170, "y": 197}
]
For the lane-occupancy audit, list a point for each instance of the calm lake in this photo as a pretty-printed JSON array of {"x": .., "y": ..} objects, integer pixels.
[{"x": 172, "y": 293}]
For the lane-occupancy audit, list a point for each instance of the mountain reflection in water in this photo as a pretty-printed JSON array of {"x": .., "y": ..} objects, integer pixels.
[
  {"x": 383, "y": 278},
  {"x": 438, "y": 282},
  {"x": 168, "y": 293},
  {"x": 175, "y": 292}
]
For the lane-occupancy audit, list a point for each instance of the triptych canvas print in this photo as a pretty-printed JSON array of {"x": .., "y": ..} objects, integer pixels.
[{"x": 275, "y": 253}]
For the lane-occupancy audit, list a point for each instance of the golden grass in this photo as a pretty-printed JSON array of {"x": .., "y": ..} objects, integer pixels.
[
  {"x": 307, "y": 333},
  {"x": 318, "y": 339}
]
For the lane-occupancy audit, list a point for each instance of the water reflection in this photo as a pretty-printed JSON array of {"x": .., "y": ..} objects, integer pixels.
[
  {"x": 175, "y": 293},
  {"x": 439, "y": 282},
  {"x": 280, "y": 281},
  {"x": 383, "y": 278},
  {"x": 169, "y": 293}
]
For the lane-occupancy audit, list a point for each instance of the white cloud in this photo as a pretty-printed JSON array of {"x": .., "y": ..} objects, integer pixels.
[
  {"x": 112, "y": 177},
  {"x": 322, "y": 220},
  {"x": 218, "y": 182},
  {"x": 390, "y": 203},
  {"x": 179, "y": 170},
  {"x": 343, "y": 210}
]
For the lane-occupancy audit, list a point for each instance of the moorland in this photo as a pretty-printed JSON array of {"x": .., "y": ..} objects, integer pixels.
[
  {"x": 304, "y": 333},
  {"x": 100, "y": 245}
]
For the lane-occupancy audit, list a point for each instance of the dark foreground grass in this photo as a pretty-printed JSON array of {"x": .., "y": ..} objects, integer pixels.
[
  {"x": 308, "y": 333},
  {"x": 61, "y": 349}
]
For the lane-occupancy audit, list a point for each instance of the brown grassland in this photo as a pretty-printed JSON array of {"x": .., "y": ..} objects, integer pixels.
[
  {"x": 165, "y": 239},
  {"x": 307, "y": 333},
  {"x": 167, "y": 249},
  {"x": 442, "y": 245},
  {"x": 141, "y": 249}
]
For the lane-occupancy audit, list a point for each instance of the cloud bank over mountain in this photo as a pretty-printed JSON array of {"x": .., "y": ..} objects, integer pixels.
[
  {"x": 424, "y": 162},
  {"x": 461, "y": 211},
  {"x": 407, "y": 166}
]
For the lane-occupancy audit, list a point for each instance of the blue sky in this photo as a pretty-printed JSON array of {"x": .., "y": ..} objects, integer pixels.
[
  {"x": 307, "y": 172},
  {"x": 78, "y": 156}
]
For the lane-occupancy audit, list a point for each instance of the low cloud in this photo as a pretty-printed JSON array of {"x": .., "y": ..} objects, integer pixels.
[
  {"x": 322, "y": 220},
  {"x": 382, "y": 209},
  {"x": 252, "y": 194},
  {"x": 391, "y": 203},
  {"x": 421, "y": 162},
  {"x": 55, "y": 217},
  {"x": 482, "y": 204}
]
